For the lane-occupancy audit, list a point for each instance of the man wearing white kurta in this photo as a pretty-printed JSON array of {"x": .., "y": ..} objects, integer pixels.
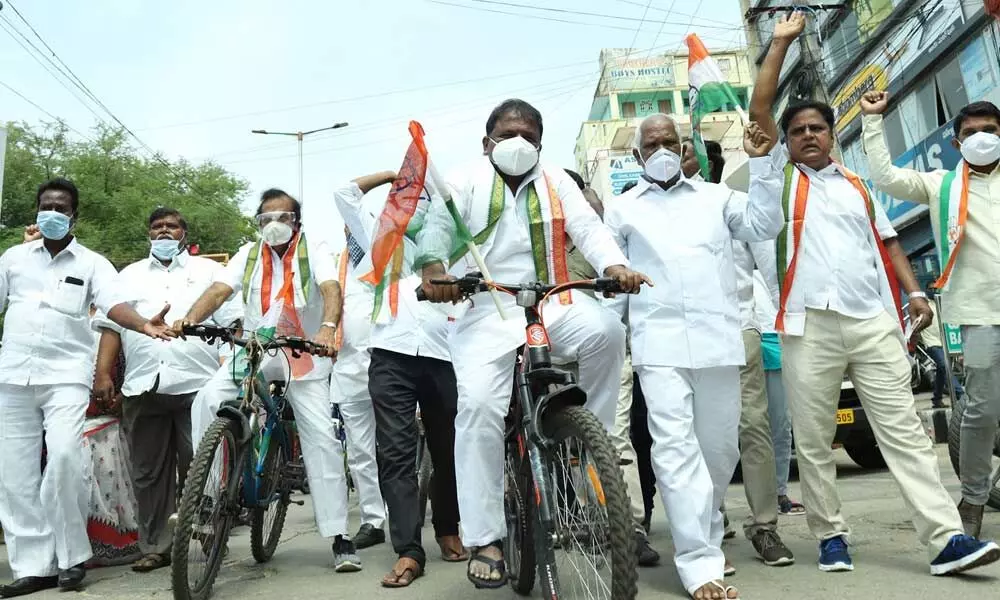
[
  {"x": 285, "y": 253},
  {"x": 349, "y": 385},
  {"x": 410, "y": 366},
  {"x": 503, "y": 198},
  {"x": 686, "y": 343},
  {"x": 46, "y": 370},
  {"x": 161, "y": 379},
  {"x": 838, "y": 261},
  {"x": 969, "y": 257}
]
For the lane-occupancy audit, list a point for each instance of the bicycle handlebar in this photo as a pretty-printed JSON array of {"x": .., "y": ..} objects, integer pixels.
[
  {"x": 474, "y": 283},
  {"x": 210, "y": 333}
]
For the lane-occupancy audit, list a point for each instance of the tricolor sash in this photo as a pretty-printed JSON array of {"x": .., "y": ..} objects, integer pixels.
[{"x": 953, "y": 211}]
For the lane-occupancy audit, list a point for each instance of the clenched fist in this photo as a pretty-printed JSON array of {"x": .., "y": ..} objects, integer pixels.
[
  {"x": 874, "y": 103},
  {"x": 755, "y": 141}
]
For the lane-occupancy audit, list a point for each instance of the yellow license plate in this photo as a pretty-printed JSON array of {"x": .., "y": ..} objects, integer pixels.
[{"x": 845, "y": 416}]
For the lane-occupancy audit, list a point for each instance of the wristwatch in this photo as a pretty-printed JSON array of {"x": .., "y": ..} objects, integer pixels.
[
  {"x": 918, "y": 294},
  {"x": 329, "y": 324}
]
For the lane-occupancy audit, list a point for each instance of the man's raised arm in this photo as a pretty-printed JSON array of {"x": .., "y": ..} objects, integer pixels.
[
  {"x": 901, "y": 183},
  {"x": 765, "y": 90}
]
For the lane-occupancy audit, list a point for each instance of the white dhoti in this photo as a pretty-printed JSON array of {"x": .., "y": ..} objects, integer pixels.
[
  {"x": 322, "y": 452},
  {"x": 694, "y": 417},
  {"x": 349, "y": 390},
  {"x": 483, "y": 354},
  {"x": 44, "y": 514}
]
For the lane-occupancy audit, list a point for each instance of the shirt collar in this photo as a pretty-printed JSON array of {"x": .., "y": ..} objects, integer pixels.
[
  {"x": 179, "y": 262},
  {"x": 645, "y": 185},
  {"x": 73, "y": 247}
]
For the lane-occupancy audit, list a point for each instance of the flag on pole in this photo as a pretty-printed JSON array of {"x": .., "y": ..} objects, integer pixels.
[
  {"x": 399, "y": 206},
  {"x": 709, "y": 92}
]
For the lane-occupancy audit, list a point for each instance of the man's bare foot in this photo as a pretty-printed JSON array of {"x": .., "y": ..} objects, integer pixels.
[
  {"x": 716, "y": 590},
  {"x": 452, "y": 549},
  {"x": 486, "y": 567}
]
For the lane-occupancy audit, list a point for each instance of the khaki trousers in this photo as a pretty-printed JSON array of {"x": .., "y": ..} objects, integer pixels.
[
  {"x": 871, "y": 353},
  {"x": 756, "y": 448}
]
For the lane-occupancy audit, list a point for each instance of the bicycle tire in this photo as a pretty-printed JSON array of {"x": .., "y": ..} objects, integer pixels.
[
  {"x": 955, "y": 442},
  {"x": 581, "y": 424},
  {"x": 262, "y": 547},
  {"x": 220, "y": 431},
  {"x": 425, "y": 478},
  {"x": 521, "y": 513}
]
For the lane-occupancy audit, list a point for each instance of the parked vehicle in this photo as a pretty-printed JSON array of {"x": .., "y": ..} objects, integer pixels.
[{"x": 954, "y": 445}]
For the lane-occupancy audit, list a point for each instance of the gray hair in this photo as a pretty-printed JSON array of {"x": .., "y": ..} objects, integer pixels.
[{"x": 637, "y": 139}]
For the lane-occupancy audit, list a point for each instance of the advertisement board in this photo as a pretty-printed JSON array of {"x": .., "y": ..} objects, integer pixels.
[
  {"x": 623, "y": 73},
  {"x": 622, "y": 170},
  {"x": 917, "y": 35}
]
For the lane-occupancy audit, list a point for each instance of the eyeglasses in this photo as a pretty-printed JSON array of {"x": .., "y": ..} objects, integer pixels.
[{"x": 288, "y": 218}]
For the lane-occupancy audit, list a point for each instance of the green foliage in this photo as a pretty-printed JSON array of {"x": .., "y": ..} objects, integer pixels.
[{"x": 119, "y": 188}]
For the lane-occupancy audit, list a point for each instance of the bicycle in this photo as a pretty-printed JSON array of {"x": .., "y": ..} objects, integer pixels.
[
  {"x": 246, "y": 453},
  {"x": 554, "y": 447},
  {"x": 341, "y": 433},
  {"x": 425, "y": 470}
]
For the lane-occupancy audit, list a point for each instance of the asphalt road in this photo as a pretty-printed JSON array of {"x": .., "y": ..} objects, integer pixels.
[{"x": 890, "y": 563}]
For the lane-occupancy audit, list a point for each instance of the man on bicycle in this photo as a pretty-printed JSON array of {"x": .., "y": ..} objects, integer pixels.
[
  {"x": 519, "y": 213},
  {"x": 285, "y": 270}
]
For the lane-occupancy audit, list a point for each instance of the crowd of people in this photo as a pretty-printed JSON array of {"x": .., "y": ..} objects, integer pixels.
[{"x": 744, "y": 312}]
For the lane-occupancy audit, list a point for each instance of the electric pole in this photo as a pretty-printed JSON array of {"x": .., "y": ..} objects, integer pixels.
[{"x": 299, "y": 135}]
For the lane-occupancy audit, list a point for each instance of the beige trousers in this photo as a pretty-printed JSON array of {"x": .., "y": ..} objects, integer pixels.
[
  {"x": 870, "y": 351},
  {"x": 756, "y": 449}
]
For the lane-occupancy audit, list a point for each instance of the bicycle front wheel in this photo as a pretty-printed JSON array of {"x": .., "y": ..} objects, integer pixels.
[
  {"x": 267, "y": 519},
  {"x": 208, "y": 510},
  {"x": 595, "y": 537}
]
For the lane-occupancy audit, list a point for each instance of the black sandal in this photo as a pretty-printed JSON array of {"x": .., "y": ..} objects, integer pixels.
[{"x": 498, "y": 566}]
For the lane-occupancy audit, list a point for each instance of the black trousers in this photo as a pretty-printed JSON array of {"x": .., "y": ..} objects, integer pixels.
[
  {"x": 642, "y": 442},
  {"x": 397, "y": 384}
]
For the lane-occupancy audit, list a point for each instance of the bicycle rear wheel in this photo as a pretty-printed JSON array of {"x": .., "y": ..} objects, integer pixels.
[
  {"x": 267, "y": 519},
  {"x": 208, "y": 510},
  {"x": 595, "y": 550},
  {"x": 521, "y": 512}
]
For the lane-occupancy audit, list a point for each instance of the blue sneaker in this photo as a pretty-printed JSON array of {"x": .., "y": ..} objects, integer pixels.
[
  {"x": 833, "y": 555},
  {"x": 962, "y": 553}
]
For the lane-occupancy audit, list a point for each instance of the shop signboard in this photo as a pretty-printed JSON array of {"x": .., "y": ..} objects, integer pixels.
[{"x": 622, "y": 170}]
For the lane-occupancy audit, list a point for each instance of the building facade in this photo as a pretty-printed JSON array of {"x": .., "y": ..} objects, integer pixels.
[
  {"x": 933, "y": 56},
  {"x": 635, "y": 84}
]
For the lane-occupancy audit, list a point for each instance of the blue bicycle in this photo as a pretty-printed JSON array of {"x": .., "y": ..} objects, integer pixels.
[{"x": 247, "y": 459}]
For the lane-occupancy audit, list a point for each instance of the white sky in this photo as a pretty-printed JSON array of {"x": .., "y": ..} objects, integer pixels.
[{"x": 184, "y": 75}]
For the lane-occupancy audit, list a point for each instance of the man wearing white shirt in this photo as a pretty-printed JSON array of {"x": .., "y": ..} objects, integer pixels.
[
  {"x": 686, "y": 343},
  {"x": 286, "y": 270},
  {"x": 46, "y": 370},
  {"x": 161, "y": 380},
  {"x": 966, "y": 224},
  {"x": 410, "y": 367},
  {"x": 839, "y": 311},
  {"x": 523, "y": 213}
]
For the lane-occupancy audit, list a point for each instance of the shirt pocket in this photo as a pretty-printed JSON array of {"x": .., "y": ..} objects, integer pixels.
[{"x": 68, "y": 298}]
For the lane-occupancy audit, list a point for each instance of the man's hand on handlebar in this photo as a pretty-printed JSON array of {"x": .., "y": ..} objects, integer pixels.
[
  {"x": 437, "y": 292},
  {"x": 178, "y": 327},
  {"x": 325, "y": 341},
  {"x": 630, "y": 280}
]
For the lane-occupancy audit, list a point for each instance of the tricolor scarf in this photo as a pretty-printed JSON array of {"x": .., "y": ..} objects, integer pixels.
[
  {"x": 791, "y": 319},
  {"x": 279, "y": 315},
  {"x": 547, "y": 226},
  {"x": 387, "y": 290},
  {"x": 949, "y": 227}
]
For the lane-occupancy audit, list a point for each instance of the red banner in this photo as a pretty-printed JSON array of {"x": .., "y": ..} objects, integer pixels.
[{"x": 400, "y": 205}]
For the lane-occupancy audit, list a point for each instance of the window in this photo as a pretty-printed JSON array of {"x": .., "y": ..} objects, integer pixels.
[
  {"x": 841, "y": 45},
  {"x": 628, "y": 110},
  {"x": 979, "y": 74},
  {"x": 952, "y": 87},
  {"x": 663, "y": 106},
  {"x": 914, "y": 118}
]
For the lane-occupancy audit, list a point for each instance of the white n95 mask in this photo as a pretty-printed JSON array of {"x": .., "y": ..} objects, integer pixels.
[
  {"x": 981, "y": 149},
  {"x": 515, "y": 156},
  {"x": 662, "y": 166}
]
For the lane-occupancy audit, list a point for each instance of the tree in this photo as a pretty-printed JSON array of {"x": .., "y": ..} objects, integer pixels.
[{"x": 119, "y": 188}]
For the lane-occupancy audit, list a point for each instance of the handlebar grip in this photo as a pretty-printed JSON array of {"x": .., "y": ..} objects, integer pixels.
[{"x": 421, "y": 296}]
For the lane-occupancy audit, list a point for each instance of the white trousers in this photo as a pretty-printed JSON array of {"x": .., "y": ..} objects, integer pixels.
[
  {"x": 322, "y": 452},
  {"x": 694, "y": 417},
  {"x": 349, "y": 390},
  {"x": 44, "y": 514},
  {"x": 588, "y": 334}
]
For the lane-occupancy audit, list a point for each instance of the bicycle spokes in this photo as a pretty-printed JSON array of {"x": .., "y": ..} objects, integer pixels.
[{"x": 583, "y": 545}]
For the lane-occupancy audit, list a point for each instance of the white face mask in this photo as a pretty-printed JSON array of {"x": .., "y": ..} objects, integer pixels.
[
  {"x": 981, "y": 149},
  {"x": 515, "y": 156},
  {"x": 276, "y": 233},
  {"x": 662, "y": 166}
]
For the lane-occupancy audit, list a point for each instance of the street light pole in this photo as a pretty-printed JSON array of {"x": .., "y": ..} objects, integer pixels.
[{"x": 300, "y": 136}]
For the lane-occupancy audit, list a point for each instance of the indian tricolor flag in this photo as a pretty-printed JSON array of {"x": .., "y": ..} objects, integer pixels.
[{"x": 709, "y": 92}]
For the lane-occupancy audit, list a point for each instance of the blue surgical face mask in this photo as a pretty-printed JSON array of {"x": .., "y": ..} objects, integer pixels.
[
  {"x": 53, "y": 225},
  {"x": 165, "y": 249}
]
